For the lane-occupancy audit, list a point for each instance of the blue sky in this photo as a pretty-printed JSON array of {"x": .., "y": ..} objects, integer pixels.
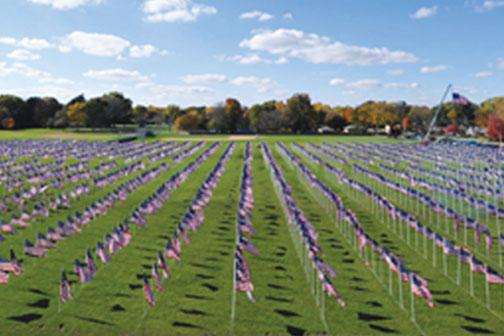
[{"x": 202, "y": 51}]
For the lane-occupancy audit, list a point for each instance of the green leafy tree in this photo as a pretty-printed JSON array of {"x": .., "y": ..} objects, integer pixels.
[{"x": 300, "y": 116}]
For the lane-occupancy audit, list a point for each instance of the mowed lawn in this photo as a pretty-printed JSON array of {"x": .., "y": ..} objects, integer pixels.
[{"x": 198, "y": 297}]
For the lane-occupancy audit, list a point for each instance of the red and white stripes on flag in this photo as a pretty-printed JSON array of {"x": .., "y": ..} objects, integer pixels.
[
  {"x": 65, "y": 288},
  {"x": 148, "y": 292}
]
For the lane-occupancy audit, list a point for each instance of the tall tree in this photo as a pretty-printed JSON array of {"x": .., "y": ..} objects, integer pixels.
[
  {"x": 118, "y": 109},
  {"x": 299, "y": 114}
]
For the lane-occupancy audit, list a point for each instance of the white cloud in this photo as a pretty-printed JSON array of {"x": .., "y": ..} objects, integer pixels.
[
  {"x": 371, "y": 84},
  {"x": 59, "y": 81},
  {"x": 436, "y": 68},
  {"x": 336, "y": 81},
  {"x": 94, "y": 44},
  {"x": 26, "y": 43},
  {"x": 261, "y": 16},
  {"x": 252, "y": 59},
  {"x": 115, "y": 74},
  {"x": 173, "y": 90},
  {"x": 142, "y": 51},
  {"x": 288, "y": 16},
  {"x": 424, "y": 12},
  {"x": 260, "y": 84},
  {"x": 484, "y": 6},
  {"x": 204, "y": 78},
  {"x": 466, "y": 89},
  {"x": 175, "y": 10},
  {"x": 8, "y": 40},
  {"x": 23, "y": 55},
  {"x": 320, "y": 49},
  {"x": 21, "y": 69},
  {"x": 395, "y": 72},
  {"x": 282, "y": 60},
  {"x": 489, "y": 5},
  {"x": 484, "y": 74},
  {"x": 500, "y": 65},
  {"x": 65, "y": 4}
]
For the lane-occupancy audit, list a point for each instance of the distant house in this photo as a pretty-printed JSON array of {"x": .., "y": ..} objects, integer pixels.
[
  {"x": 354, "y": 129},
  {"x": 326, "y": 130}
]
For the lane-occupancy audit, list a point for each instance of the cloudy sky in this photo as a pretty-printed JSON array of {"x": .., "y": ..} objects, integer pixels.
[{"x": 192, "y": 52}]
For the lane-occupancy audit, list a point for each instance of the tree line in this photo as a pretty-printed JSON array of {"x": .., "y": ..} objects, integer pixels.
[{"x": 296, "y": 115}]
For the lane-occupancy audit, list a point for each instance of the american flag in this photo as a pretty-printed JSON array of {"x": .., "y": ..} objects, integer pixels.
[
  {"x": 65, "y": 288},
  {"x": 162, "y": 265},
  {"x": 4, "y": 277},
  {"x": 33, "y": 251},
  {"x": 328, "y": 287},
  {"x": 477, "y": 266},
  {"x": 83, "y": 273},
  {"x": 43, "y": 243},
  {"x": 247, "y": 245},
  {"x": 419, "y": 289},
  {"x": 148, "y": 292},
  {"x": 170, "y": 252},
  {"x": 15, "y": 263},
  {"x": 493, "y": 276},
  {"x": 6, "y": 227},
  {"x": 90, "y": 263},
  {"x": 101, "y": 253},
  {"x": 155, "y": 274},
  {"x": 459, "y": 99}
]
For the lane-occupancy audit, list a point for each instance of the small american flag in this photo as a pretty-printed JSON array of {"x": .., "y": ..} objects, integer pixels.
[
  {"x": 148, "y": 292},
  {"x": 162, "y": 265},
  {"x": 459, "y": 99},
  {"x": 65, "y": 288},
  {"x": 493, "y": 276},
  {"x": 33, "y": 251},
  {"x": 155, "y": 274},
  {"x": 101, "y": 253},
  {"x": 418, "y": 289},
  {"x": 90, "y": 263}
]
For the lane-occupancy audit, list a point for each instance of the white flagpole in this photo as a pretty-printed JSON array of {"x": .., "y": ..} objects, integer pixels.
[
  {"x": 412, "y": 299},
  {"x": 401, "y": 301},
  {"x": 434, "y": 261},
  {"x": 487, "y": 290},
  {"x": 471, "y": 279}
]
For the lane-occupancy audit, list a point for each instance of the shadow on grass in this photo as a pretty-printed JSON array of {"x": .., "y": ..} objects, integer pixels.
[
  {"x": 26, "y": 318},
  {"x": 42, "y": 303},
  {"x": 92, "y": 320},
  {"x": 470, "y": 318},
  {"x": 370, "y": 317},
  {"x": 294, "y": 331},
  {"x": 476, "y": 330},
  {"x": 193, "y": 312},
  {"x": 277, "y": 299},
  {"x": 286, "y": 313},
  {"x": 382, "y": 329},
  {"x": 185, "y": 325},
  {"x": 197, "y": 297},
  {"x": 37, "y": 291}
]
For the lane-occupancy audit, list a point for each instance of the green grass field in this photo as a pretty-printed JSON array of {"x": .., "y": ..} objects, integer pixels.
[{"x": 198, "y": 298}]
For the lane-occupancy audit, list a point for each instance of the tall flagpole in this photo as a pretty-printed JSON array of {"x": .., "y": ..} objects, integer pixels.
[{"x": 412, "y": 299}]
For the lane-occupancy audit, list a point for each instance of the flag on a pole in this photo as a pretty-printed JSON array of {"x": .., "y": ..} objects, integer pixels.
[
  {"x": 65, "y": 288},
  {"x": 101, "y": 253},
  {"x": 418, "y": 289},
  {"x": 155, "y": 274},
  {"x": 33, "y": 251},
  {"x": 459, "y": 99},
  {"x": 493, "y": 276},
  {"x": 162, "y": 265},
  {"x": 148, "y": 292},
  {"x": 90, "y": 263},
  {"x": 477, "y": 266}
]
